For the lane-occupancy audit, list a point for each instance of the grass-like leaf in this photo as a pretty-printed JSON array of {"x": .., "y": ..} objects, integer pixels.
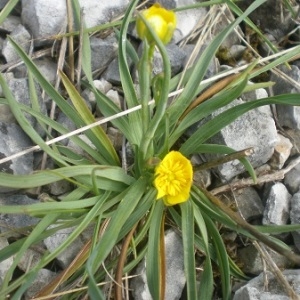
[
  {"x": 153, "y": 258},
  {"x": 187, "y": 227},
  {"x": 213, "y": 126},
  {"x": 101, "y": 140}
]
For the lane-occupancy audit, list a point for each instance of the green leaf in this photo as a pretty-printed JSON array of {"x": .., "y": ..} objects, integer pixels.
[
  {"x": 7, "y": 9},
  {"x": 118, "y": 218},
  {"x": 222, "y": 257},
  {"x": 201, "y": 66},
  {"x": 101, "y": 140},
  {"x": 24, "y": 123},
  {"x": 207, "y": 107},
  {"x": 187, "y": 216},
  {"x": 153, "y": 257},
  {"x": 213, "y": 126},
  {"x": 206, "y": 287},
  {"x": 108, "y": 177},
  {"x": 135, "y": 120}
]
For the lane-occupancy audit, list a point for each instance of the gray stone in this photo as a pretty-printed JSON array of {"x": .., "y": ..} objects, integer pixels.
[
  {"x": 175, "y": 278},
  {"x": 44, "y": 19},
  {"x": 287, "y": 115},
  {"x": 281, "y": 153},
  {"x": 111, "y": 74},
  {"x": 213, "y": 64},
  {"x": 22, "y": 37},
  {"x": 67, "y": 123},
  {"x": 201, "y": 177},
  {"x": 102, "y": 85},
  {"x": 13, "y": 140},
  {"x": 43, "y": 277},
  {"x": 5, "y": 264},
  {"x": 10, "y": 22},
  {"x": 48, "y": 68},
  {"x": 116, "y": 137},
  {"x": 60, "y": 187},
  {"x": 3, "y": 3},
  {"x": 253, "y": 129},
  {"x": 249, "y": 203},
  {"x": 295, "y": 217},
  {"x": 30, "y": 259},
  {"x": 187, "y": 20},
  {"x": 95, "y": 14},
  {"x": 103, "y": 51},
  {"x": 267, "y": 15},
  {"x": 20, "y": 90},
  {"x": 292, "y": 179},
  {"x": 255, "y": 289},
  {"x": 256, "y": 94},
  {"x": 77, "y": 149},
  {"x": 251, "y": 260},
  {"x": 55, "y": 240},
  {"x": 12, "y": 225},
  {"x": 176, "y": 57},
  {"x": 114, "y": 97},
  {"x": 277, "y": 206}
]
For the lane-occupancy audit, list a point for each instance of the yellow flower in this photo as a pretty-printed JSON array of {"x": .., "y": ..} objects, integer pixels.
[
  {"x": 173, "y": 178},
  {"x": 161, "y": 20}
]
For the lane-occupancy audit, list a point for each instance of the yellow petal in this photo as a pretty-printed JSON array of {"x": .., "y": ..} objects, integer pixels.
[
  {"x": 173, "y": 178},
  {"x": 161, "y": 20}
]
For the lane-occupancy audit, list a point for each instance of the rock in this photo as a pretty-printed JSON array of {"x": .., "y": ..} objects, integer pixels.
[
  {"x": 281, "y": 153},
  {"x": 176, "y": 57},
  {"x": 20, "y": 90},
  {"x": 249, "y": 203},
  {"x": 10, "y": 22},
  {"x": 292, "y": 179},
  {"x": 42, "y": 278},
  {"x": 30, "y": 259},
  {"x": 12, "y": 225},
  {"x": 116, "y": 137},
  {"x": 77, "y": 149},
  {"x": 44, "y": 19},
  {"x": 201, "y": 177},
  {"x": 103, "y": 51},
  {"x": 65, "y": 258},
  {"x": 277, "y": 206},
  {"x": 67, "y": 123},
  {"x": 22, "y": 37},
  {"x": 212, "y": 67},
  {"x": 295, "y": 217},
  {"x": 5, "y": 264},
  {"x": 253, "y": 129},
  {"x": 255, "y": 289},
  {"x": 257, "y": 94},
  {"x": 60, "y": 187},
  {"x": 254, "y": 265},
  {"x": 175, "y": 278},
  {"x": 187, "y": 20},
  {"x": 114, "y": 97},
  {"x": 95, "y": 14},
  {"x": 13, "y": 140},
  {"x": 48, "y": 68},
  {"x": 3, "y": 3},
  {"x": 267, "y": 15},
  {"x": 102, "y": 85},
  {"x": 287, "y": 115},
  {"x": 111, "y": 74}
]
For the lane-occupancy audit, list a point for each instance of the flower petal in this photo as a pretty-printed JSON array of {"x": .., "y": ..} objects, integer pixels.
[{"x": 173, "y": 178}]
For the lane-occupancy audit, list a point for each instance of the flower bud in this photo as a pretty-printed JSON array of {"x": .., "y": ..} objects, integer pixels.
[{"x": 161, "y": 20}]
